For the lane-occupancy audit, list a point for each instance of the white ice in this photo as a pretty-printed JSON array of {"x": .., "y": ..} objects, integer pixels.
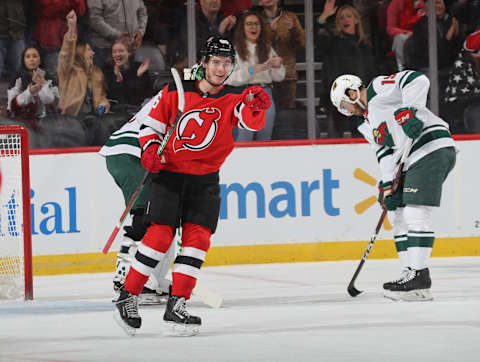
[{"x": 272, "y": 312}]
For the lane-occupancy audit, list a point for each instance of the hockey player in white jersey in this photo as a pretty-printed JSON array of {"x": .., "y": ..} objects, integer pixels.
[
  {"x": 394, "y": 111},
  {"x": 122, "y": 155}
]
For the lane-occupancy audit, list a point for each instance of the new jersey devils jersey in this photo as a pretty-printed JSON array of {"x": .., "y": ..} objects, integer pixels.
[{"x": 203, "y": 137}]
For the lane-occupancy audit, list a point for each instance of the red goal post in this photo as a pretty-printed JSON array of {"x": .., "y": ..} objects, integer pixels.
[{"x": 16, "y": 279}]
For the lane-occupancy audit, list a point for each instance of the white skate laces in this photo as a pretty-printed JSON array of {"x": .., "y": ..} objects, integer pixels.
[
  {"x": 180, "y": 309},
  {"x": 131, "y": 306}
]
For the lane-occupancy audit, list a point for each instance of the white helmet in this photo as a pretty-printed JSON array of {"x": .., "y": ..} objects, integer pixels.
[{"x": 338, "y": 92}]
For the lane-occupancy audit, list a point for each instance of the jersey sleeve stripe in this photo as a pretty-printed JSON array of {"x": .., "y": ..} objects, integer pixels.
[
  {"x": 411, "y": 76},
  {"x": 113, "y": 141},
  {"x": 430, "y": 136},
  {"x": 124, "y": 134},
  {"x": 370, "y": 92},
  {"x": 383, "y": 152}
]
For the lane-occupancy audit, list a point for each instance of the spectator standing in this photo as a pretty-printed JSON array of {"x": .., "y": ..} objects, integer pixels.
[
  {"x": 111, "y": 19},
  {"x": 209, "y": 22},
  {"x": 81, "y": 84},
  {"x": 345, "y": 50},
  {"x": 449, "y": 40},
  {"x": 127, "y": 80},
  {"x": 402, "y": 15},
  {"x": 257, "y": 64},
  {"x": 157, "y": 31},
  {"x": 30, "y": 93},
  {"x": 288, "y": 39},
  {"x": 12, "y": 36},
  {"x": 50, "y": 27}
]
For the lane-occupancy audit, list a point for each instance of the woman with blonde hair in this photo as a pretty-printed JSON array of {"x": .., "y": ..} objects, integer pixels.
[
  {"x": 257, "y": 64},
  {"x": 344, "y": 50},
  {"x": 81, "y": 84},
  {"x": 127, "y": 80}
]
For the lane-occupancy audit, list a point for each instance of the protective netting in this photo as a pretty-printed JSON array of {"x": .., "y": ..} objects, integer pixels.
[{"x": 12, "y": 282}]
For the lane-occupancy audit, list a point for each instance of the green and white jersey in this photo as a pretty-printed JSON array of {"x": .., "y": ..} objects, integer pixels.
[
  {"x": 385, "y": 95},
  {"x": 125, "y": 140}
]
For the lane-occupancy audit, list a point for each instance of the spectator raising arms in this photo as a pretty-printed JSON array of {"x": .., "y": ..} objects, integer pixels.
[
  {"x": 288, "y": 38},
  {"x": 50, "y": 26},
  {"x": 127, "y": 80},
  {"x": 345, "y": 50},
  {"x": 257, "y": 64},
  {"x": 81, "y": 84},
  {"x": 449, "y": 40},
  {"x": 30, "y": 93},
  {"x": 111, "y": 19}
]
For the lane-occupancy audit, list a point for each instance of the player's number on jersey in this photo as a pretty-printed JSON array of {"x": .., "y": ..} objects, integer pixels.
[{"x": 389, "y": 79}]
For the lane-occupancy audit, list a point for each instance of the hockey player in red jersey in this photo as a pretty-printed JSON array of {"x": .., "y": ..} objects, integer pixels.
[{"x": 185, "y": 178}]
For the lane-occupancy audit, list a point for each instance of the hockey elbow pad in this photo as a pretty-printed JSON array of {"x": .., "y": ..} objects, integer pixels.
[{"x": 411, "y": 125}]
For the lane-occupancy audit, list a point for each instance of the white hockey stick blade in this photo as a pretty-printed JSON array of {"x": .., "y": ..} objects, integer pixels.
[{"x": 207, "y": 296}]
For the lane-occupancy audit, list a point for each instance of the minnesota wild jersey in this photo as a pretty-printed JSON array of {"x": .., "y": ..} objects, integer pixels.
[
  {"x": 385, "y": 95},
  {"x": 125, "y": 140}
]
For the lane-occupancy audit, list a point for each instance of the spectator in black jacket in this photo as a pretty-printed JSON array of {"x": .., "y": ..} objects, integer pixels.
[
  {"x": 344, "y": 50},
  {"x": 128, "y": 83},
  {"x": 449, "y": 40}
]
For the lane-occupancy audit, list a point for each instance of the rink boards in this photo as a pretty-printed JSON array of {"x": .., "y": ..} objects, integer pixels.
[{"x": 282, "y": 203}]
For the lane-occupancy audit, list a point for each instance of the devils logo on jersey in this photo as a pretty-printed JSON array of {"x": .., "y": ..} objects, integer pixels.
[{"x": 196, "y": 129}]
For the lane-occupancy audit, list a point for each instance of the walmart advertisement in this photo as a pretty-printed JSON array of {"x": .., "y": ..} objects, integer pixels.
[{"x": 305, "y": 197}]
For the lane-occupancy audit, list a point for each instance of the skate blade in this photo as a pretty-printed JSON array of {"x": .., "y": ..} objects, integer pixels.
[
  {"x": 182, "y": 330},
  {"x": 420, "y": 295},
  {"x": 395, "y": 296},
  {"x": 130, "y": 331},
  {"x": 152, "y": 299},
  {"x": 115, "y": 297}
]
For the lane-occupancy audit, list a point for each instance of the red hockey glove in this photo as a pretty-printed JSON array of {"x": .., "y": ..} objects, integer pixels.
[
  {"x": 150, "y": 159},
  {"x": 406, "y": 117},
  {"x": 256, "y": 98}
]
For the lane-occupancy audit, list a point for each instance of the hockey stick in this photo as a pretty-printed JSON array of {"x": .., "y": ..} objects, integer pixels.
[
  {"x": 181, "y": 106},
  {"x": 351, "y": 287}
]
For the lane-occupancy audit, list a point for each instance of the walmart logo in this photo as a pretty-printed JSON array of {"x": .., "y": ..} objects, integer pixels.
[{"x": 363, "y": 205}]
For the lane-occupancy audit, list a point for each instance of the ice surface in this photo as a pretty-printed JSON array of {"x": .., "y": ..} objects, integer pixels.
[{"x": 272, "y": 312}]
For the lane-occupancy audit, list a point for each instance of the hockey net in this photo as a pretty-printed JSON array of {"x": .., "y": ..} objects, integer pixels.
[{"x": 15, "y": 225}]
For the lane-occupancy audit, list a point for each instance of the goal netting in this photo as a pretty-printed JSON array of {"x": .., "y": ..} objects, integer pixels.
[{"x": 15, "y": 226}]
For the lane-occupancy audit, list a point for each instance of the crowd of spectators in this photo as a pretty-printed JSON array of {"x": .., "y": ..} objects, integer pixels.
[{"x": 88, "y": 65}]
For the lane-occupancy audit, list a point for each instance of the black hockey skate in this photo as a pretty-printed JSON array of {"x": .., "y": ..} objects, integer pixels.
[
  {"x": 403, "y": 275},
  {"x": 126, "y": 314},
  {"x": 180, "y": 321},
  {"x": 415, "y": 287}
]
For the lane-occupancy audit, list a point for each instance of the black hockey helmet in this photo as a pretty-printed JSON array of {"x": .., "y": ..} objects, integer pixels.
[{"x": 217, "y": 47}]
